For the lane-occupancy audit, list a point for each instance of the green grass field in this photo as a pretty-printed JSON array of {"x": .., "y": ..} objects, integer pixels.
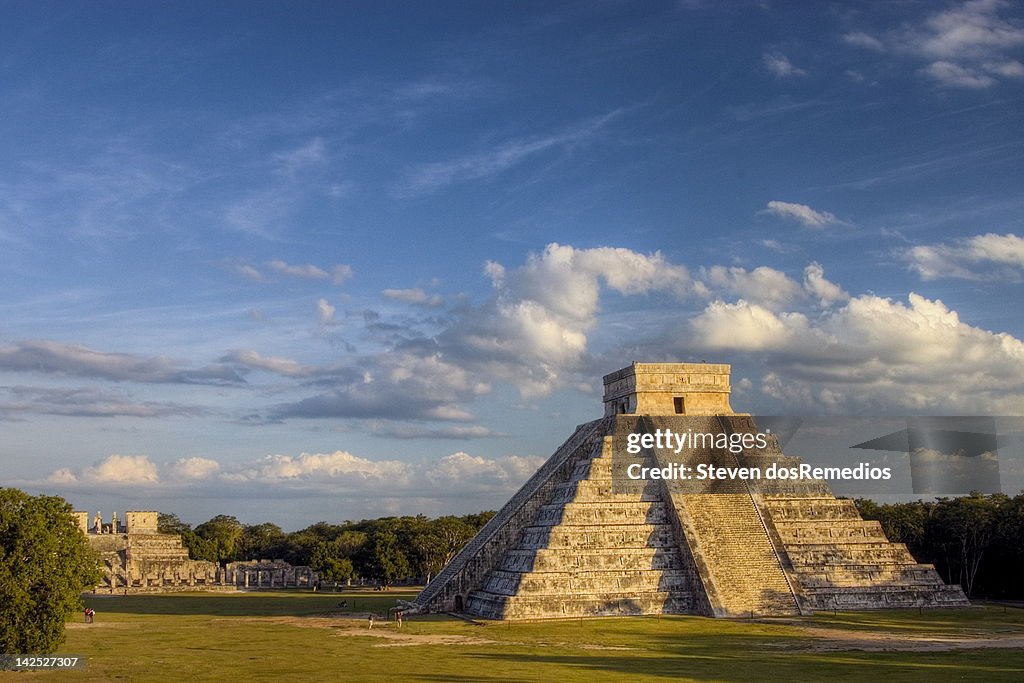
[{"x": 285, "y": 636}]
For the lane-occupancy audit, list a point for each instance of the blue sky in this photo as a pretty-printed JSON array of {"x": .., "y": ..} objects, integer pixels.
[{"x": 302, "y": 261}]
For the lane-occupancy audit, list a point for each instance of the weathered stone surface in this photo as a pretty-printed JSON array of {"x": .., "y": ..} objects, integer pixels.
[
  {"x": 574, "y": 542},
  {"x": 139, "y": 559}
]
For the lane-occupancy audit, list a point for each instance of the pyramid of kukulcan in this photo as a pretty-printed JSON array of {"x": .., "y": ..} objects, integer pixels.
[{"x": 581, "y": 539}]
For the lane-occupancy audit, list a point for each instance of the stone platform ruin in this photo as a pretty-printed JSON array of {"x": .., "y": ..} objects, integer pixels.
[
  {"x": 575, "y": 541},
  {"x": 137, "y": 558}
]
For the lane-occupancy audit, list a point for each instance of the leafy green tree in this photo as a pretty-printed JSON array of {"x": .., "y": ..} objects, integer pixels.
[
  {"x": 225, "y": 532},
  {"x": 436, "y": 542},
  {"x": 298, "y": 547},
  {"x": 198, "y": 547},
  {"x": 327, "y": 561},
  {"x": 478, "y": 520},
  {"x": 261, "y": 541},
  {"x": 45, "y": 564},
  {"x": 387, "y": 560},
  {"x": 350, "y": 542},
  {"x": 965, "y": 528},
  {"x": 168, "y": 523}
]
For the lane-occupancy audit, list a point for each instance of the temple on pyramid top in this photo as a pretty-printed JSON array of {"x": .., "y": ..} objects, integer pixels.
[{"x": 668, "y": 389}]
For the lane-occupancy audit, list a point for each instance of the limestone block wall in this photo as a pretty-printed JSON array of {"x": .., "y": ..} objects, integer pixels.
[
  {"x": 668, "y": 389},
  {"x": 466, "y": 572},
  {"x": 591, "y": 551},
  {"x": 141, "y": 522}
]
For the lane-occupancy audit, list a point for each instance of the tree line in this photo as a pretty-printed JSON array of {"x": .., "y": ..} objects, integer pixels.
[
  {"x": 976, "y": 540},
  {"x": 385, "y": 550}
]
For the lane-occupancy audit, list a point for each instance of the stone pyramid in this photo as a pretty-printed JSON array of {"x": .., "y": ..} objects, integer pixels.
[{"x": 580, "y": 539}]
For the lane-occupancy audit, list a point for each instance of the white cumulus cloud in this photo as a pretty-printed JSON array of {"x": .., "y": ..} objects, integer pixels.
[
  {"x": 535, "y": 327},
  {"x": 872, "y": 353},
  {"x": 762, "y": 285},
  {"x": 123, "y": 469},
  {"x": 194, "y": 468},
  {"x": 980, "y": 257},
  {"x": 818, "y": 286}
]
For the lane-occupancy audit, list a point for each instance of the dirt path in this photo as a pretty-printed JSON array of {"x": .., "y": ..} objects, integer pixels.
[{"x": 832, "y": 640}]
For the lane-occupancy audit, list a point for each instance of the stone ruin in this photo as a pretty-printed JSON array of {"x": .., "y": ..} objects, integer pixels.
[
  {"x": 138, "y": 558},
  {"x": 575, "y": 542},
  {"x": 268, "y": 574}
]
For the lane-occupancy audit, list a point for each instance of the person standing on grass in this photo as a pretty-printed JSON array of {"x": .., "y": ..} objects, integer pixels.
[{"x": 370, "y": 619}]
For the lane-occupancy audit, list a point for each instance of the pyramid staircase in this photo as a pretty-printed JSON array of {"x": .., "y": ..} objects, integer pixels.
[{"x": 590, "y": 551}]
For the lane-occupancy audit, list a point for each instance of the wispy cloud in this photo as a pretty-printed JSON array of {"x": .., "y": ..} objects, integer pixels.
[
  {"x": 325, "y": 311},
  {"x": 342, "y": 273},
  {"x": 339, "y": 274},
  {"x": 802, "y": 214},
  {"x": 308, "y": 272},
  {"x": 279, "y": 365},
  {"x": 415, "y": 296},
  {"x": 780, "y": 66},
  {"x": 299, "y": 158},
  {"x": 969, "y": 45},
  {"x": 431, "y": 177},
  {"x": 50, "y": 357},
  {"x": 86, "y": 402},
  {"x": 248, "y": 272},
  {"x": 861, "y": 39}
]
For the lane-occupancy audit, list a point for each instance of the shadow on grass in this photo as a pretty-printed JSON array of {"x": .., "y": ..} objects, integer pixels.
[
  {"x": 740, "y": 667},
  {"x": 723, "y": 650},
  {"x": 247, "y": 604},
  {"x": 979, "y": 618}
]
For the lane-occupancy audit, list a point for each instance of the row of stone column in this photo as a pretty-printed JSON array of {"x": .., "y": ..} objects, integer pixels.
[{"x": 271, "y": 577}]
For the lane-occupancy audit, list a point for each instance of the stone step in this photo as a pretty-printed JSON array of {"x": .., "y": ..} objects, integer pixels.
[
  {"x": 603, "y": 513},
  {"x": 886, "y": 597},
  {"x": 817, "y": 555},
  {"x": 605, "y": 491},
  {"x": 177, "y": 558},
  {"x": 799, "y": 532},
  {"x": 553, "y": 559},
  {"x": 585, "y": 582},
  {"x": 589, "y": 536},
  {"x": 491, "y": 606},
  {"x": 861, "y": 575},
  {"x": 812, "y": 510},
  {"x": 744, "y": 567}
]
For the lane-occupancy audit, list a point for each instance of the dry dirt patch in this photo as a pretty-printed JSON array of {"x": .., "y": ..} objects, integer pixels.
[{"x": 357, "y": 625}]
